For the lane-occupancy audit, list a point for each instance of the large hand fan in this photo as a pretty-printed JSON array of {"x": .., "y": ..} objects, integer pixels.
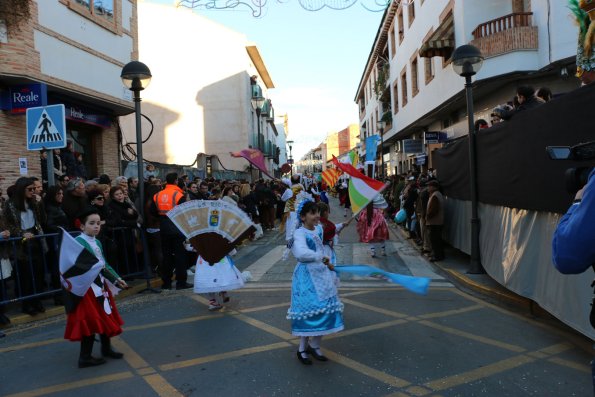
[{"x": 213, "y": 227}]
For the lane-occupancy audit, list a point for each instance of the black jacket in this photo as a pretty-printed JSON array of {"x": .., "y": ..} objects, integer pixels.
[
  {"x": 119, "y": 216},
  {"x": 55, "y": 218}
]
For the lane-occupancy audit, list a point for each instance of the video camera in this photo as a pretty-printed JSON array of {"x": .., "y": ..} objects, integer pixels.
[{"x": 576, "y": 177}]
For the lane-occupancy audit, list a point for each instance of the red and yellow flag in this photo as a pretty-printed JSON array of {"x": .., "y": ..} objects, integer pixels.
[{"x": 331, "y": 176}]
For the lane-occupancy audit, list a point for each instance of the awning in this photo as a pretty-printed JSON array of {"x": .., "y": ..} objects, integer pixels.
[{"x": 441, "y": 43}]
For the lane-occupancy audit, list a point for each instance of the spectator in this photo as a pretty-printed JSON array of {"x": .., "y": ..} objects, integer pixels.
[
  {"x": 91, "y": 185},
  {"x": 121, "y": 211},
  {"x": 544, "y": 93},
  {"x": 150, "y": 172},
  {"x": 410, "y": 197},
  {"x": 121, "y": 214},
  {"x": 43, "y": 158},
  {"x": 526, "y": 99},
  {"x": 104, "y": 179},
  {"x": 495, "y": 116},
  {"x": 203, "y": 189},
  {"x": 435, "y": 220},
  {"x": 63, "y": 181},
  {"x": 215, "y": 194},
  {"x": 57, "y": 164},
  {"x": 55, "y": 219},
  {"x": 193, "y": 193},
  {"x": 80, "y": 170},
  {"x": 228, "y": 196},
  {"x": 23, "y": 216},
  {"x": 481, "y": 124},
  {"x": 75, "y": 200},
  {"x": 105, "y": 190},
  {"x": 68, "y": 159},
  {"x": 133, "y": 188},
  {"x": 5, "y": 256},
  {"x": 153, "y": 231}
]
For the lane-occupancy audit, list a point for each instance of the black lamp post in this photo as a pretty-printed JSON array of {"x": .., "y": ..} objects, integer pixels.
[
  {"x": 466, "y": 61},
  {"x": 290, "y": 144},
  {"x": 257, "y": 103},
  {"x": 381, "y": 126},
  {"x": 136, "y": 76}
]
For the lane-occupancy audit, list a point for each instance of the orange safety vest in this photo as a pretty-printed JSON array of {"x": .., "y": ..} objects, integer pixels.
[{"x": 167, "y": 199}]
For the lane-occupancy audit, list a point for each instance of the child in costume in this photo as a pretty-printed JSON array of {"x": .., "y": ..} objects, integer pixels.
[
  {"x": 330, "y": 232},
  {"x": 372, "y": 227},
  {"x": 95, "y": 312},
  {"x": 216, "y": 280},
  {"x": 315, "y": 306}
]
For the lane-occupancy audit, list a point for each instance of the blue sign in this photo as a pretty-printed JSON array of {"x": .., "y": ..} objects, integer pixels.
[
  {"x": 87, "y": 116},
  {"x": 412, "y": 146},
  {"x": 420, "y": 159},
  {"x": 22, "y": 97},
  {"x": 46, "y": 127},
  {"x": 435, "y": 137},
  {"x": 371, "y": 146}
]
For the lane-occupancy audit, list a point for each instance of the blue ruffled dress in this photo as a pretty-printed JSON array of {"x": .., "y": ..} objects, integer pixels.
[{"x": 315, "y": 306}]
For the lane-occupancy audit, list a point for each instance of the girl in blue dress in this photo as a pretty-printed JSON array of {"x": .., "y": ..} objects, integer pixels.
[{"x": 315, "y": 306}]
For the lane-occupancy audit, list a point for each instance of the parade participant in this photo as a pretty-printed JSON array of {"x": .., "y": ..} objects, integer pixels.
[
  {"x": 289, "y": 197},
  {"x": 95, "y": 312},
  {"x": 330, "y": 232},
  {"x": 315, "y": 306},
  {"x": 372, "y": 227}
]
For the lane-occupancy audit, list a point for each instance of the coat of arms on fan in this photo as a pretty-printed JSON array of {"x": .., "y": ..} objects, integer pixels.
[{"x": 213, "y": 227}]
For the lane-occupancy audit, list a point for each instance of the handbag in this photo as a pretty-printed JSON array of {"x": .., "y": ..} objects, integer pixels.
[{"x": 5, "y": 268}]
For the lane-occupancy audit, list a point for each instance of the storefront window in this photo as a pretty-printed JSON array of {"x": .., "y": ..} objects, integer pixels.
[{"x": 83, "y": 144}]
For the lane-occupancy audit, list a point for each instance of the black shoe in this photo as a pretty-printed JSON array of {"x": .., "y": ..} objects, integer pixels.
[
  {"x": 4, "y": 320},
  {"x": 29, "y": 309},
  {"x": 38, "y": 306},
  {"x": 90, "y": 362},
  {"x": 166, "y": 285},
  {"x": 319, "y": 357},
  {"x": 111, "y": 353},
  {"x": 183, "y": 286},
  {"x": 306, "y": 360}
]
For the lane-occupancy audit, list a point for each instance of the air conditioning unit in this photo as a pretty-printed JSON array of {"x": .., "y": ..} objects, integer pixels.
[{"x": 399, "y": 147}]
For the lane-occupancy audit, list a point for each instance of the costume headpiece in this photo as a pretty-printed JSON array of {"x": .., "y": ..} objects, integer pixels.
[{"x": 584, "y": 12}]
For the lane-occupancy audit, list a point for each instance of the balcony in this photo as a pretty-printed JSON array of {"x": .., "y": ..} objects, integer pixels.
[{"x": 513, "y": 32}]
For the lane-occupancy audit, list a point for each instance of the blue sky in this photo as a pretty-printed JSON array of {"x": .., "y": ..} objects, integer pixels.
[{"x": 315, "y": 59}]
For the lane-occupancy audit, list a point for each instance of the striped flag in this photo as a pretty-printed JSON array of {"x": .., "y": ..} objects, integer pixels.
[
  {"x": 362, "y": 189},
  {"x": 78, "y": 267},
  {"x": 331, "y": 176},
  {"x": 352, "y": 158}
]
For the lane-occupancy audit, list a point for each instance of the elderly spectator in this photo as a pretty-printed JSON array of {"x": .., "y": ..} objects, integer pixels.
[
  {"x": 75, "y": 200},
  {"x": 23, "y": 216},
  {"x": 91, "y": 184},
  {"x": 435, "y": 220}
]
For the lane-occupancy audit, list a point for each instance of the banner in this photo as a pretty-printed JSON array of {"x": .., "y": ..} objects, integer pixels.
[
  {"x": 255, "y": 157},
  {"x": 371, "y": 146}
]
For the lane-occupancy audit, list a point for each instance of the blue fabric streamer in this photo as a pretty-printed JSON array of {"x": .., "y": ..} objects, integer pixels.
[{"x": 419, "y": 285}]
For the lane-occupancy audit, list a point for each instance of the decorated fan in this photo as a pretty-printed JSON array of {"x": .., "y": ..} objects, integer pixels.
[{"x": 213, "y": 227}]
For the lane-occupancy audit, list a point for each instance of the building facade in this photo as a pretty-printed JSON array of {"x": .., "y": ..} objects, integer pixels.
[
  {"x": 200, "y": 96},
  {"x": 409, "y": 83},
  {"x": 72, "y": 53},
  {"x": 338, "y": 143}
]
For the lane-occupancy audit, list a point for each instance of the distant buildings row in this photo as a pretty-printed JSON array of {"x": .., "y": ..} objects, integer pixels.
[
  {"x": 409, "y": 84},
  {"x": 205, "y": 77}
]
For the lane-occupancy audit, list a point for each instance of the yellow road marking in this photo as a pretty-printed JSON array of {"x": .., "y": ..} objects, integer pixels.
[
  {"x": 368, "y": 371},
  {"x": 447, "y": 313},
  {"x": 398, "y": 394},
  {"x": 172, "y": 322},
  {"x": 373, "y": 327},
  {"x": 74, "y": 385},
  {"x": 468, "y": 335},
  {"x": 146, "y": 371},
  {"x": 479, "y": 373},
  {"x": 222, "y": 356},
  {"x": 261, "y": 308},
  {"x": 374, "y": 308},
  {"x": 31, "y": 345},
  {"x": 556, "y": 349},
  {"x": 130, "y": 356},
  {"x": 418, "y": 391},
  {"x": 263, "y": 326},
  {"x": 571, "y": 364},
  {"x": 161, "y": 386}
]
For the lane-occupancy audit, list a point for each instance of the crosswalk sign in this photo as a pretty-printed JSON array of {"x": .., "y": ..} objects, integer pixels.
[{"x": 46, "y": 127}]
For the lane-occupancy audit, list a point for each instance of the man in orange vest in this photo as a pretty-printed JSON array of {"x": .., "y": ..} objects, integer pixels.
[{"x": 172, "y": 240}]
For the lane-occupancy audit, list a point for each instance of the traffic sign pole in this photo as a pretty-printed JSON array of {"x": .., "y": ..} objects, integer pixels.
[{"x": 50, "y": 167}]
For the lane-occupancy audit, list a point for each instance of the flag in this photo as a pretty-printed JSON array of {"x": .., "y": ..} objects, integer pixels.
[
  {"x": 255, "y": 157},
  {"x": 78, "y": 266},
  {"x": 419, "y": 285},
  {"x": 331, "y": 176},
  {"x": 351, "y": 158},
  {"x": 362, "y": 189}
]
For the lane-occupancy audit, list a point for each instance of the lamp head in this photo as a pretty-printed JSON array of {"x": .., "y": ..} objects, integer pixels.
[
  {"x": 467, "y": 60},
  {"x": 135, "y": 76},
  {"x": 257, "y": 102}
]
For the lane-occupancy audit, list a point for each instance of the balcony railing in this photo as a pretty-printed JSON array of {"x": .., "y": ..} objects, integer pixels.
[{"x": 501, "y": 24}]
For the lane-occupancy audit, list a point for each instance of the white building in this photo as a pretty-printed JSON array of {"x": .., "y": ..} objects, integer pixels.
[
  {"x": 408, "y": 80},
  {"x": 199, "y": 99}
]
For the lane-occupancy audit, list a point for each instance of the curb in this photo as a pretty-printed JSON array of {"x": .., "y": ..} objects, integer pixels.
[{"x": 21, "y": 319}]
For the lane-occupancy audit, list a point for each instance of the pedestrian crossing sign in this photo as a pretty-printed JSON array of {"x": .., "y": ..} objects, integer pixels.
[{"x": 46, "y": 127}]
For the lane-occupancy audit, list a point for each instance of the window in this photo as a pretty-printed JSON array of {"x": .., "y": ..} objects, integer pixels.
[
  {"x": 105, "y": 13},
  {"x": 404, "y": 86},
  {"x": 391, "y": 39},
  {"x": 414, "y": 78},
  {"x": 401, "y": 26},
  {"x": 429, "y": 69},
  {"x": 395, "y": 98},
  {"x": 411, "y": 12}
]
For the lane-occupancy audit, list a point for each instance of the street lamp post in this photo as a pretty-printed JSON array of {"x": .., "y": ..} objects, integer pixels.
[
  {"x": 257, "y": 103},
  {"x": 381, "y": 126},
  {"x": 466, "y": 61},
  {"x": 290, "y": 144},
  {"x": 136, "y": 76}
]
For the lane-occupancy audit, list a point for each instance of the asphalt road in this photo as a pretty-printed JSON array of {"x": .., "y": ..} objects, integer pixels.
[{"x": 395, "y": 343}]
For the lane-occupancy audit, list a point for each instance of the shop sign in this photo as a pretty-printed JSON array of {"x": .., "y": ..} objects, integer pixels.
[
  {"x": 412, "y": 146},
  {"x": 420, "y": 159},
  {"x": 87, "y": 116},
  {"x": 23, "y": 97},
  {"x": 435, "y": 137}
]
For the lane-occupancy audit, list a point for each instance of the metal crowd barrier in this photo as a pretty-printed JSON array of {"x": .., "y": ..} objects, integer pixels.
[{"x": 35, "y": 269}]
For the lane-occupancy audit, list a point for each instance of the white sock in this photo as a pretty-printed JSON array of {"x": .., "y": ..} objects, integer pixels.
[
  {"x": 315, "y": 342},
  {"x": 303, "y": 345}
]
